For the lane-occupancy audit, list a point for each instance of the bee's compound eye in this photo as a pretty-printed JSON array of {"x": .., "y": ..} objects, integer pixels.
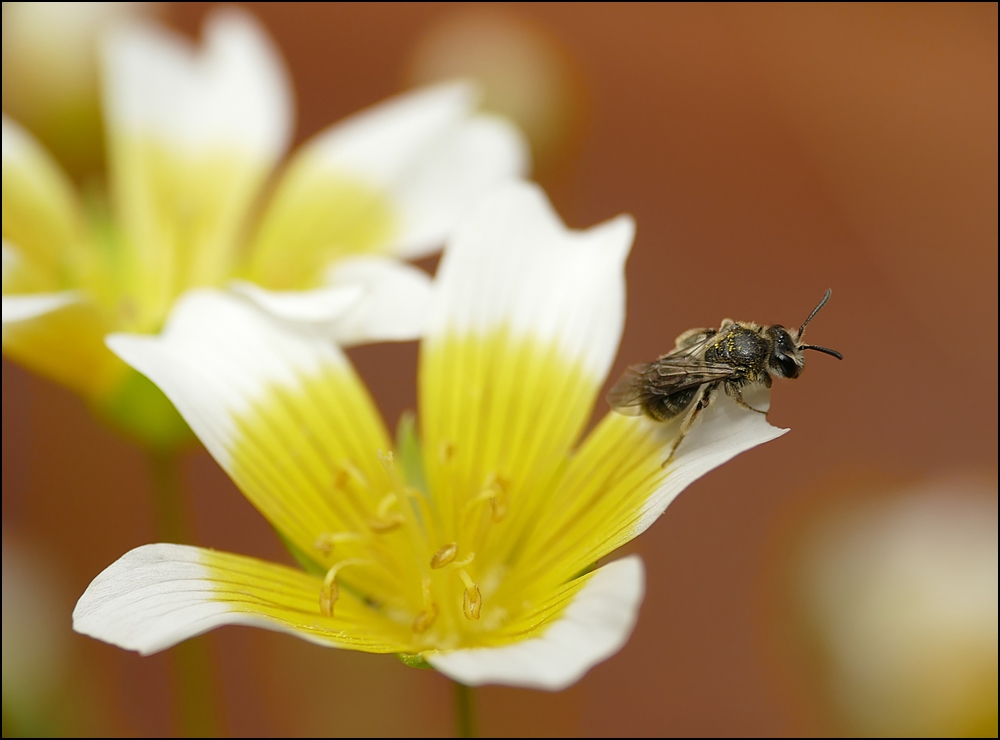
[{"x": 787, "y": 366}]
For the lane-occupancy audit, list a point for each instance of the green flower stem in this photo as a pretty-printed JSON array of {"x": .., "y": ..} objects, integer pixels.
[
  {"x": 192, "y": 668},
  {"x": 465, "y": 711}
]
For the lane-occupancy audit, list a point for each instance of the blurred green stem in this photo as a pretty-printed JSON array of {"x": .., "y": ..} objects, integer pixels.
[
  {"x": 465, "y": 719},
  {"x": 194, "y": 709}
]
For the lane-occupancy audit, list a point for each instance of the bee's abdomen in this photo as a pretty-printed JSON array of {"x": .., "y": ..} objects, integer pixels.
[{"x": 661, "y": 407}]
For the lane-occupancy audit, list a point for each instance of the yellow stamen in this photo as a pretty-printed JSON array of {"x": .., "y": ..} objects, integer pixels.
[
  {"x": 384, "y": 520},
  {"x": 328, "y": 596},
  {"x": 498, "y": 505},
  {"x": 326, "y": 541},
  {"x": 387, "y": 502},
  {"x": 495, "y": 492},
  {"x": 351, "y": 487},
  {"x": 444, "y": 556},
  {"x": 389, "y": 524},
  {"x": 429, "y": 613},
  {"x": 354, "y": 473},
  {"x": 330, "y": 591},
  {"x": 409, "y": 515},
  {"x": 472, "y": 601},
  {"x": 425, "y": 619}
]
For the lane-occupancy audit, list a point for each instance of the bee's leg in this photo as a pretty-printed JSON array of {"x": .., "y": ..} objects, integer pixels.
[
  {"x": 698, "y": 404},
  {"x": 737, "y": 395}
]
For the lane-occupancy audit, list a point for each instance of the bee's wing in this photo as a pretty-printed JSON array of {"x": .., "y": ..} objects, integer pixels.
[
  {"x": 663, "y": 377},
  {"x": 627, "y": 393},
  {"x": 691, "y": 343},
  {"x": 671, "y": 374}
]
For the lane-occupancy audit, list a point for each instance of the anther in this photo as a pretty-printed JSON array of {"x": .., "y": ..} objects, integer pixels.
[
  {"x": 429, "y": 613},
  {"x": 387, "y": 524},
  {"x": 472, "y": 601},
  {"x": 384, "y": 520},
  {"x": 425, "y": 619},
  {"x": 498, "y": 503},
  {"x": 340, "y": 479},
  {"x": 494, "y": 491},
  {"x": 328, "y": 596},
  {"x": 330, "y": 591},
  {"x": 353, "y": 473},
  {"x": 326, "y": 541},
  {"x": 444, "y": 556}
]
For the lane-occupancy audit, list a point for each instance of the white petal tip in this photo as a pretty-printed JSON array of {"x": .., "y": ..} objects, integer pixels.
[{"x": 134, "y": 603}]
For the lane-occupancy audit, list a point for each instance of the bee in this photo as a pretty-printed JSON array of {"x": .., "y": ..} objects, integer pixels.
[{"x": 737, "y": 355}]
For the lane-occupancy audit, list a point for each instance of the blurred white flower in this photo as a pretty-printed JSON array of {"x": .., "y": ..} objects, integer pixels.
[
  {"x": 35, "y": 638},
  {"x": 50, "y": 73},
  {"x": 902, "y": 593},
  {"x": 195, "y": 135}
]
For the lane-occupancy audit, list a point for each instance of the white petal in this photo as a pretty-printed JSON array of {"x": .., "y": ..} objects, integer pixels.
[
  {"x": 216, "y": 355},
  {"x": 18, "y": 144},
  {"x": 725, "y": 431},
  {"x": 26, "y": 306},
  {"x": 158, "y": 595},
  {"x": 365, "y": 299},
  {"x": 594, "y": 626},
  {"x": 429, "y": 152},
  {"x": 32, "y": 305},
  {"x": 312, "y": 308},
  {"x": 454, "y": 172},
  {"x": 41, "y": 212},
  {"x": 233, "y": 92},
  {"x": 150, "y": 599},
  {"x": 511, "y": 263},
  {"x": 393, "y": 306}
]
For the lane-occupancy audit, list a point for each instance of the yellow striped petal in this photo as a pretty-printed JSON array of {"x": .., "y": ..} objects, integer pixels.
[
  {"x": 64, "y": 344},
  {"x": 524, "y": 326},
  {"x": 192, "y": 136},
  {"x": 158, "y": 595},
  {"x": 616, "y": 485},
  {"x": 316, "y": 216},
  {"x": 284, "y": 414},
  {"x": 41, "y": 214},
  {"x": 393, "y": 179}
]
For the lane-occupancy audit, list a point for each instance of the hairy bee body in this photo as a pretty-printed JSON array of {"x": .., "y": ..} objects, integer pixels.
[{"x": 685, "y": 380}]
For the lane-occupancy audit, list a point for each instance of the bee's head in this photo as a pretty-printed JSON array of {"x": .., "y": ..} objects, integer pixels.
[
  {"x": 786, "y": 358},
  {"x": 786, "y": 354}
]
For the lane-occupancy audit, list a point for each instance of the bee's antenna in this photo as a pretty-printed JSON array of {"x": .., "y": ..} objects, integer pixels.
[
  {"x": 824, "y": 350},
  {"x": 826, "y": 297}
]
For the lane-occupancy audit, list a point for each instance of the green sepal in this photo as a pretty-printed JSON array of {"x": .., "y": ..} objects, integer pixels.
[
  {"x": 409, "y": 452},
  {"x": 138, "y": 408},
  {"x": 414, "y": 660}
]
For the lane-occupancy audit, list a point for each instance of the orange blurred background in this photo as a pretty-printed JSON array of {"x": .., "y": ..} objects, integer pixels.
[{"x": 767, "y": 153}]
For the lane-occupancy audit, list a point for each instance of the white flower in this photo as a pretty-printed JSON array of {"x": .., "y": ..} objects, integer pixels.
[{"x": 473, "y": 548}]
